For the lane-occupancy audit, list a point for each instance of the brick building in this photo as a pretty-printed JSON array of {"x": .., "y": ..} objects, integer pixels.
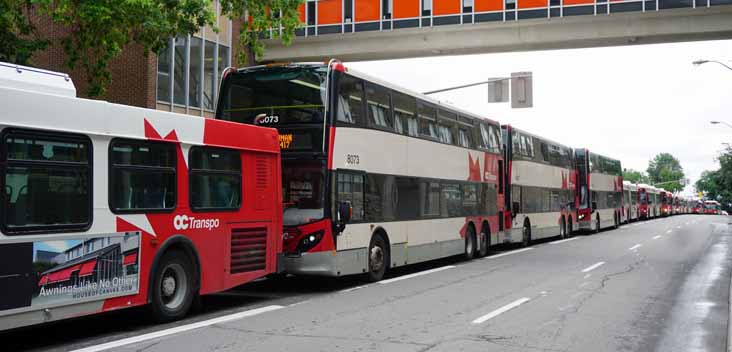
[{"x": 183, "y": 78}]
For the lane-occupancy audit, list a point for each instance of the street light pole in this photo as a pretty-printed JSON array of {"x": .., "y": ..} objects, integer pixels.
[{"x": 702, "y": 61}]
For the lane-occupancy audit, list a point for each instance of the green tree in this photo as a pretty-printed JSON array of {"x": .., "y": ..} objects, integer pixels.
[
  {"x": 19, "y": 39},
  {"x": 259, "y": 16},
  {"x": 666, "y": 169},
  {"x": 717, "y": 184},
  {"x": 635, "y": 176}
]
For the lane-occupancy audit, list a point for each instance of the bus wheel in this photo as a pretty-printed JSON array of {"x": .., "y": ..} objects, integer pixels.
[
  {"x": 485, "y": 238},
  {"x": 526, "y": 240},
  {"x": 617, "y": 220},
  {"x": 378, "y": 258},
  {"x": 469, "y": 243},
  {"x": 570, "y": 228},
  {"x": 562, "y": 229},
  {"x": 172, "y": 287},
  {"x": 597, "y": 224}
]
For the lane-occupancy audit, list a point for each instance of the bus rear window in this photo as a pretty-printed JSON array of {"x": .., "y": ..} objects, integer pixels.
[{"x": 41, "y": 169}]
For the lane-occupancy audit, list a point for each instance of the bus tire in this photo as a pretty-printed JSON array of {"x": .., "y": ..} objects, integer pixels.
[
  {"x": 617, "y": 220},
  {"x": 597, "y": 224},
  {"x": 378, "y": 258},
  {"x": 469, "y": 252},
  {"x": 562, "y": 228},
  {"x": 485, "y": 241},
  {"x": 526, "y": 234},
  {"x": 172, "y": 287},
  {"x": 570, "y": 228}
]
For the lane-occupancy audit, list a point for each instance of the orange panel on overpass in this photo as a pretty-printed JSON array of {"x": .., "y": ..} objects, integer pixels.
[
  {"x": 330, "y": 11},
  {"x": 527, "y": 4},
  {"x": 488, "y": 5},
  {"x": 301, "y": 9},
  {"x": 446, "y": 7},
  {"x": 577, "y": 2},
  {"x": 406, "y": 8},
  {"x": 367, "y": 10}
]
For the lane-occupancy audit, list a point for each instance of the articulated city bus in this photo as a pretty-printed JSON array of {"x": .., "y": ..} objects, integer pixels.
[
  {"x": 711, "y": 207},
  {"x": 600, "y": 184},
  {"x": 631, "y": 202},
  {"x": 109, "y": 206},
  {"x": 540, "y": 184},
  {"x": 374, "y": 176}
]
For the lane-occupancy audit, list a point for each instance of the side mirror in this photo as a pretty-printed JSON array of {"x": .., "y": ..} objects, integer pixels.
[
  {"x": 594, "y": 206},
  {"x": 515, "y": 208},
  {"x": 345, "y": 211}
]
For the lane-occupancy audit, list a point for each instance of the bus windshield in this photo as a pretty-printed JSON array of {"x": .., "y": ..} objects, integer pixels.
[
  {"x": 274, "y": 96},
  {"x": 643, "y": 198},
  {"x": 303, "y": 185}
]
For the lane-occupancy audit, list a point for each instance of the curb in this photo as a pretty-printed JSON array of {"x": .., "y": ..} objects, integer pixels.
[{"x": 729, "y": 320}]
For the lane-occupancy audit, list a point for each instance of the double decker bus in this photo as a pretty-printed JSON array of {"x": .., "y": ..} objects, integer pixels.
[
  {"x": 374, "y": 176},
  {"x": 600, "y": 184},
  {"x": 108, "y": 206},
  {"x": 540, "y": 183},
  {"x": 711, "y": 207},
  {"x": 631, "y": 202}
]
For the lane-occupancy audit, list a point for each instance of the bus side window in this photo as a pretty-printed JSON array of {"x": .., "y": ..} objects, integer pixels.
[
  {"x": 351, "y": 189},
  {"x": 47, "y": 179},
  {"x": 142, "y": 176},
  {"x": 215, "y": 178},
  {"x": 378, "y": 105},
  {"x": 350, "y": 100}
]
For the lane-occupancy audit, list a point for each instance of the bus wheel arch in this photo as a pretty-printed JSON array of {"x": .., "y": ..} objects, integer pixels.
[
  {"x": 186, "y": 249},
  {"x": 378, "y": 255}
]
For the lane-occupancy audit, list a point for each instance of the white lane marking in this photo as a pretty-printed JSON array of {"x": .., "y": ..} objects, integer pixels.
[
  {"x": 567, "y": 240},
  {"x": 509, "y": 253},
  {"x": 299, "y": 303},
  {"x": 635, "y": 247},
  {"x": 678, "y": 227},
  {"x": 587, "y": 276},
  {"x": 400, "y": 278},
  {"x": 179, "y": 329},
  {"x": 669, "y": 231},
  {"x": 353, "y": 288},
  {"x": 593, "y": 267},
  {"x": 656, "y": 237},
  {"x": 501, "y": 310}
]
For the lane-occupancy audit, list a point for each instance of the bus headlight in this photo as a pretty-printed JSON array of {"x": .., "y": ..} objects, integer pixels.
[
  {"x": 581, "y": 216},
  {"x": 309, "y": 241}
]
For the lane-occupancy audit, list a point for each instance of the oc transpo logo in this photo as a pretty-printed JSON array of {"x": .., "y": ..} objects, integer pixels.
[{"x": 185, "y": 222}]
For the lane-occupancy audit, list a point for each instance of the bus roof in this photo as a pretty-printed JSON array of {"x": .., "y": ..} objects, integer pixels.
[
  {"x": 36, "y": 80},
  {"x": 64, "y": 112}
]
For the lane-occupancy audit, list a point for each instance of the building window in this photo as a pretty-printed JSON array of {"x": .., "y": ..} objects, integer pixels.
[
  {"x": 164, "y": 75},
  {"x": 311, "y": 13},
  {"x": 194, "y": 73},
  {"x": 386, "y": 8},
  {"x": 47, "y": 180},
  {"x": 347, "y": 11},
  {"x": 215, "y": 178},
  {"x": 426, "y": 7},
  {"x": 467, "y": 6},
  {"x": 209, "y": 75},
  {"x": 510, "y": 4},
  {"x": 142, "y": 176},
  {"x": 179, "y": 71}
]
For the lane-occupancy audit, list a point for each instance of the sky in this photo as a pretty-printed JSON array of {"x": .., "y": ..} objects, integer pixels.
[{"x": 629, "y": 102}]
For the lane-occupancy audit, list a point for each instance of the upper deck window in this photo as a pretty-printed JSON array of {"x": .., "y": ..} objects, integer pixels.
[
  {"x": 47, "y": 180},
  {"x": 274, "y": 96}
]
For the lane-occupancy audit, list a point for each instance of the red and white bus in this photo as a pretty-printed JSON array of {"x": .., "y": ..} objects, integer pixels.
[
  {"x": 646, "y": 204},
  {"x": 666, "y": 202},
  {"x": 541, "y": 187},
  {"x": 711, "y": 207},
  {"x": 697, "y": 206},
  {"x": 631, "y": 202},
  {"x": 374, "y": 176},
  {"x": 109, "y": 206},
  {"x": 600, "y": 184}
]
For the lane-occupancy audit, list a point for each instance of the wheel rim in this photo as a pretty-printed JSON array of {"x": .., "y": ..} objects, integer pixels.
[
  {"x": 469, "y": 244},
  {"x": 173, "y": 286},
  {"x": 563, "y": 230},
  {"x": 376, "y": 258}
]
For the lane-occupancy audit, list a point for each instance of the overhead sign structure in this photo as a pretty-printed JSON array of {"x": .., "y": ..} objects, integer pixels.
[
  {"x": 498, "y": 90},
  {"x": 522, "y": 95}
]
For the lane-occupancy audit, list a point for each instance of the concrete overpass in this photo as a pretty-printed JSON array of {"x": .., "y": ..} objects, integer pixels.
[{"x": 561, "y": 26}]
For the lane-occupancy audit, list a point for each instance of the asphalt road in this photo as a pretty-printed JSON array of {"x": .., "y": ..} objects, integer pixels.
[{"x": 660, "y": 285}]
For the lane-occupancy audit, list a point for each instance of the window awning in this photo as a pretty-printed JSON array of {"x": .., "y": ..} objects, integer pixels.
[
  {"x": 62, "y": 275},
  {"x": 43, "y": 280},
  {"x": 130, "y": 259},
  {"x": 88, "y": 268}
]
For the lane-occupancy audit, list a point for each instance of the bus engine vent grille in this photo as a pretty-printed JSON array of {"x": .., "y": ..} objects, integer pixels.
[
  {"x": 262, "y": 173},
  {"x": 248, "y": 249}
]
